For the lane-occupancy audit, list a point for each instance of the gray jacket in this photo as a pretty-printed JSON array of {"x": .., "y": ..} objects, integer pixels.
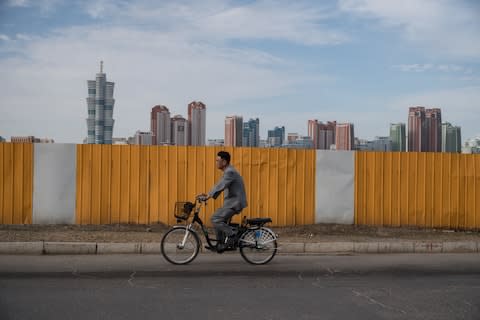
[{"x": 232, "y": 183}]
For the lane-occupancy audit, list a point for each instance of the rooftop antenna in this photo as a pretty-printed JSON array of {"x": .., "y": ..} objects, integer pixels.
[{"x": 101, "y": 66}]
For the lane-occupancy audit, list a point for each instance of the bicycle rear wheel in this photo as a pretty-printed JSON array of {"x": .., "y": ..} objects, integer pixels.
[
  {"x": 258, "y": 246},
  {"x": 180, "y": 245}
]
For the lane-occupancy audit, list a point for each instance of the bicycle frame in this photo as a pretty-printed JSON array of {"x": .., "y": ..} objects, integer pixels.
[
  {"x": 257, "y": 244},
  {"x": 196, "y": 219}
]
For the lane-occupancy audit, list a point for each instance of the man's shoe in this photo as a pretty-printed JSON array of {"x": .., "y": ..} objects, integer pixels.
[
  {"x": 211, "y": 248},
  {"x": 221, "y": 247},
  {"x": 230, "y": 242}
]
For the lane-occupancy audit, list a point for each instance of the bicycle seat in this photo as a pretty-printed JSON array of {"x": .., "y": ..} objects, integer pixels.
[{"x": 258, "y": 221}]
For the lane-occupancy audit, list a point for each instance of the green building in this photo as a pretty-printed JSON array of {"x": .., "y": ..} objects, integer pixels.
[
  {"x": 398, "y": 137},
  {"x": 451, "y": 138}
]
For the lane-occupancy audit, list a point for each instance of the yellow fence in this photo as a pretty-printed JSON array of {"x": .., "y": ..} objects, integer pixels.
[
  {"x": 140, "y": 184},
  {"x": 417, "y": 189},
  {"x": 16, "y": 183}
]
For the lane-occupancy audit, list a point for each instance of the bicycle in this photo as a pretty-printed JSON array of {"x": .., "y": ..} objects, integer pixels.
[{"x": 181, "y": 244}]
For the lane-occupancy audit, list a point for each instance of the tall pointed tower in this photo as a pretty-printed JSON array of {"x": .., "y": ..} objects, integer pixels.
[{"x": 100, "y": 104}]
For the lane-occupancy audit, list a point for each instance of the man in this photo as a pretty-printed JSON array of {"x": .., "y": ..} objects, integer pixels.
[{"x": 234, "y": 199}]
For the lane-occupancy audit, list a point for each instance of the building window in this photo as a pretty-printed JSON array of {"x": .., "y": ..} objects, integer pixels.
[{"x": 91, "y": 91}]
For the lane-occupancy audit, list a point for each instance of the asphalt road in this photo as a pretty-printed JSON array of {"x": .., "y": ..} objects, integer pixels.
[{"x": 434, "y": 286}]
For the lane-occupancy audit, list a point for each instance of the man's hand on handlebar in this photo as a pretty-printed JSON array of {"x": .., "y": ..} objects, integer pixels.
[{"x": 202, "y": 197}]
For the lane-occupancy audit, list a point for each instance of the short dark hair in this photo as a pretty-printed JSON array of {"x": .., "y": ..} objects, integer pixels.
[{"x": 224, "y": 155}]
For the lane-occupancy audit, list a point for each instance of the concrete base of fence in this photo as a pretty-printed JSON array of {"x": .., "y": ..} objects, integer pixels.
[{"x": 341, "y": 247}]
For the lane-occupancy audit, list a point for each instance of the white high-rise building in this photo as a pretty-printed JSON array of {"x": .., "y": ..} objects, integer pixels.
[
  {"x": 179, "y": 130},
  {"x": 143, "y": 138},
  {"x": 100, "y": 104},
  {"x": 160, "y": 125}
]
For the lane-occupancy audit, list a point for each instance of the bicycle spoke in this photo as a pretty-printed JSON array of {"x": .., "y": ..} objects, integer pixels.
[
  {"x": 258, "y": 246},
  {"x": 180, "y": 246}
]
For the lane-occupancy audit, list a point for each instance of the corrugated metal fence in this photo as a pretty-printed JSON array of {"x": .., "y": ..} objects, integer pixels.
[
  {"x": 417, "y": 189},
  {"x": 140, "y": 184},
  {"x": 16, "y": 183}
]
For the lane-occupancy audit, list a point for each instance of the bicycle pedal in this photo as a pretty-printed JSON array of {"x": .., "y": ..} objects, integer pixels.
[{"x": 211, "y": 248}]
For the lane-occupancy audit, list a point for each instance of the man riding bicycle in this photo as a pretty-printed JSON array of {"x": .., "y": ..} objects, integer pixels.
[{"x": 234, "y": 199}]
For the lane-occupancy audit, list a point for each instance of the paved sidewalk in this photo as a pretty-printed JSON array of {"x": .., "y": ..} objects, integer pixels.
[{"x": 312, "y": 239}]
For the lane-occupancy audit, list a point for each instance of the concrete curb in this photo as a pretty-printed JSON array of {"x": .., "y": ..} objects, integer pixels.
[
  {"x": 150, "y": 247},
  {"x": 340, "y": 247},
  {"x": 381, "y": 247},
  {"x": 69, "y": 247},
  {"x": 109, "y": 248},
  {"x": 21, "y": 247}
]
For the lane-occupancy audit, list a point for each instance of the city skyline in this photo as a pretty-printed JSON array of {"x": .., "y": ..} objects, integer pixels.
[{"x": 357, "y": 61}]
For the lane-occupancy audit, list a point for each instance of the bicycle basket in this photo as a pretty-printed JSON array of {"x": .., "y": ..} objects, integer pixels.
[{"x": 183, "y": 209}]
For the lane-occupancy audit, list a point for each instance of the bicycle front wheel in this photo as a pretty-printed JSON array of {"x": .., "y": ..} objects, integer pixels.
[
  {"x": 180, "y": 245},
  {"x": 258, "y": 246}
]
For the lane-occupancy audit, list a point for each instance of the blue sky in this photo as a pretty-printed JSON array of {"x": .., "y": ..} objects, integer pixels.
[{"x": 360, "y": 61}]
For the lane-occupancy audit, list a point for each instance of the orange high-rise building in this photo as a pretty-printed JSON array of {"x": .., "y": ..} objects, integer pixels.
[
  {"x": 344, "y": 136},
  {"x": 233, "y": 131},
  {"x": 424, "y": 129},
  {"x": 322, "y": 134}
]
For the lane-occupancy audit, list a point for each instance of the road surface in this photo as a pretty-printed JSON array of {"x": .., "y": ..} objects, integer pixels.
[{"x": 433, "y": 286}]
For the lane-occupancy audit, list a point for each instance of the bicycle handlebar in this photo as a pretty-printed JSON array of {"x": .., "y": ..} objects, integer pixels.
[{"x": 201, "y": 199}]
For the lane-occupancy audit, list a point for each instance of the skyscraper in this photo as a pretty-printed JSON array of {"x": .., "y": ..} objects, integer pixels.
[
  {"x": 276, "y": 137},
  {"x": 397, "y": 136},
  {"x": 197, "y": 123},
  {"x": 100, "y": 104},
  {"x": 433, "y": 125},
  {"x": 160, "y": 125},
  {"x": 313, "y": 132},
  {"x": 179, "y": 130},
  {"x": 322, "y": 134},
  {"x": 344, "y": 136},
  {"x": 233, "y": 131},
  {"x": 451, "y": 138},
  {"x": 424, "y": 129},
  {"x": 251, "y": 134},
  {"x": 416, "y": 129}
]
